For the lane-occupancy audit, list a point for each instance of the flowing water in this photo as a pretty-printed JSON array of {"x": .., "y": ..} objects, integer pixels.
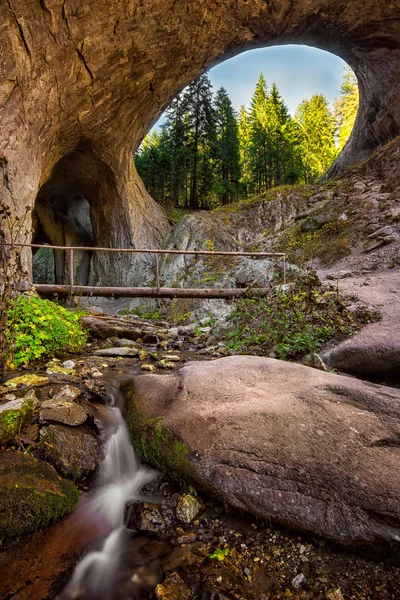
[{"x": 121, "y": 477}]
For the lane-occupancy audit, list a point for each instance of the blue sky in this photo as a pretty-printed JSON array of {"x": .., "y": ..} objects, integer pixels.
[{"x": 298, "y": 71}]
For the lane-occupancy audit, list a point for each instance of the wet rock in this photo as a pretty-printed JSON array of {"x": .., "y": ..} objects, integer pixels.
[
  {"x": 14, "y": 414},
  {"x": 187, "y": 537},
  {"x": 143, "y": 354},
  {"x": 29, "y": 380},
  {"x": 63, "y": 409},
  {"x": 54, "y": 368},
  {"x": 32, "y": 495},
  {"x": 123, "y": 342},
  {"x": 165, "y": 364},
  {"x": 310, "y": 450},
  {"x": 73, "y": 452},
  {"x": 150, "y": 338},
  {"x": 126, "y": 351},
  {"x": 148, "y": 367},
  {"x": 151, "y": 519},
  {"x": 171, "y": 358},
  {"x": 188, "y": 508},
  {"x": 173, "y": 588}
]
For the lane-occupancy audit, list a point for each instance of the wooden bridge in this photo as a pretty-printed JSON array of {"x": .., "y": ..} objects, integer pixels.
[{"x": 73, "y": 289}]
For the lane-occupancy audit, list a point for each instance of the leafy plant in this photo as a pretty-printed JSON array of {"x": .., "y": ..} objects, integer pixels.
[
  {"x": 293, "y": 321},
  {"x": 220, "y": 554},
  {"x": 37, "y": 327}
]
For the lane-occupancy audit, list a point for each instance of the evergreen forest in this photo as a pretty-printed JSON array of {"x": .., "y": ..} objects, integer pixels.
[{"x": 206, "y": 154}]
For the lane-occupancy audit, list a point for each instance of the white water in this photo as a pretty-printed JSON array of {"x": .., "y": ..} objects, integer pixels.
[{"x": 121, "y": 477}]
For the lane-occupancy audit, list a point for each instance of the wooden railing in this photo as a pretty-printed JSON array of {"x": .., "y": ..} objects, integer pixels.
[{"x": 149, "y": 292}]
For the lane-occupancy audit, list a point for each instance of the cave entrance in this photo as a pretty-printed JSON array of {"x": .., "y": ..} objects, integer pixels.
[
  {"x": 61, "y": 218},
  {"x": 76, "y": 207}
]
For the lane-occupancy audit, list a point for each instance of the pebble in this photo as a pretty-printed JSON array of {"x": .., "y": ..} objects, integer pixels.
[
  {"x": 68, "y": 364},
  {"x": 298, "y": 580}
]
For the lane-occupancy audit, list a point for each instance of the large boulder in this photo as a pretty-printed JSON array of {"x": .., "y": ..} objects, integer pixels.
[
  {"x": 32, "y": 495},
  {"x": 310, "y": 450}
]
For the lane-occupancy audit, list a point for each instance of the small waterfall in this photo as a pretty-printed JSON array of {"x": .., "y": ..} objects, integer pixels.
[{"x": 121, "y": 477}]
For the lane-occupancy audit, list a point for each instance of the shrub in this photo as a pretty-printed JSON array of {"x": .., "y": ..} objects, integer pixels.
[
  {"x": 294, "y": 321},
  {"x": 37, "y": 327}
]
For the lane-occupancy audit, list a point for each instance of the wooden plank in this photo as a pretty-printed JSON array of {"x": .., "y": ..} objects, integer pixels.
[{"x": 131, "y": 292}]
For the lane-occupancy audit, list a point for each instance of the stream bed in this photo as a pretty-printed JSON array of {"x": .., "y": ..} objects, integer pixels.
[{"x": 136, "y": 534}]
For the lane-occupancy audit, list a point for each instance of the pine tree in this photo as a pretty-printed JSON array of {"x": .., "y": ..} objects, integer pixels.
[
  {"x": 197, "y": 102},
  {"x": 227, "y": 171},
  {"x": 244, "y": 128},
  {"x": 346, "y": 107},
  {"x": 317, "y": 126},
  {"x": 177, "y": 127},
  {"x": 259, "y": 139}
]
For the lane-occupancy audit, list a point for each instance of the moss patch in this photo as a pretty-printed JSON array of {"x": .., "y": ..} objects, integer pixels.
[
  {"x": 14, "y": 415},
  {"x": 154, "y": 443},
  {"x": 32, "y": 495}
]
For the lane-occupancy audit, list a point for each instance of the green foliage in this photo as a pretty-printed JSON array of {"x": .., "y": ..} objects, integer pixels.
[
  {"x": 220, "y": 554},
  {"x": 142, "y": 313},
  {"x": 37, "y": 327},
  {"x": 207, "y": 156},
  {"x": 346, "y": 107},
  {"x": 317, "y": 144},
  {"x": 293, "y": 321},
  {"x": 329, "y": 243}
]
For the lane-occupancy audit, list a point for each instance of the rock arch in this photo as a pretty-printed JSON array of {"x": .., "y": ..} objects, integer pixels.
[{"x": 96, "y": 74}]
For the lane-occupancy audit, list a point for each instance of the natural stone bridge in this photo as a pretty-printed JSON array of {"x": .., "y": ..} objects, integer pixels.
[{"x": 82, "y": 81}]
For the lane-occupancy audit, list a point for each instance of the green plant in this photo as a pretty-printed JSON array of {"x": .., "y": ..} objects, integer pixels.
[
  {"x": 37, "y": 327},
  {"x": 220, "y": 554},
  {"x": 293, "y": 321},
  {"x": 330, "y": 242},
  {"x": 143, "y": 314}
]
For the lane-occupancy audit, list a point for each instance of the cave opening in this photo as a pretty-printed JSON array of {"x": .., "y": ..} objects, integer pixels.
[
  {"x": 271, "y": 116},
  {"x": 75, "y": 207}
]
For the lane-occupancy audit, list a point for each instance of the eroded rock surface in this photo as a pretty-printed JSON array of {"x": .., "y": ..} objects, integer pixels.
[
  {"x": 72, "y": 115},
  {"x": 311, "y": 450}
]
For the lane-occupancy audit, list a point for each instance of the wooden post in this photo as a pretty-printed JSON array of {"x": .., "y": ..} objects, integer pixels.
[
  {"x": 157, "y": 274},
  {"x": 71, "y": 269}
]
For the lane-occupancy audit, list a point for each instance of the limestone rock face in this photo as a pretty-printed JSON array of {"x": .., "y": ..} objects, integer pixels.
[
  {"x": 83, "y": 81},
  {"x": 311, "y": 450}
]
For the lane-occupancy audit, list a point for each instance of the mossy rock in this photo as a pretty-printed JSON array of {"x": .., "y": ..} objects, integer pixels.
[
  {"x": 14, "y": 414},
  {"x": 75, "y": 453},
  {"x": 154, "y": 444},
  {"x": 32, "y": 495}
]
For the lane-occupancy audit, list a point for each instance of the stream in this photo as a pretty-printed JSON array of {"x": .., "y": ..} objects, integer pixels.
[
  {"x": 126, "y": 541},
  {"x": 121, "y": 477}
]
